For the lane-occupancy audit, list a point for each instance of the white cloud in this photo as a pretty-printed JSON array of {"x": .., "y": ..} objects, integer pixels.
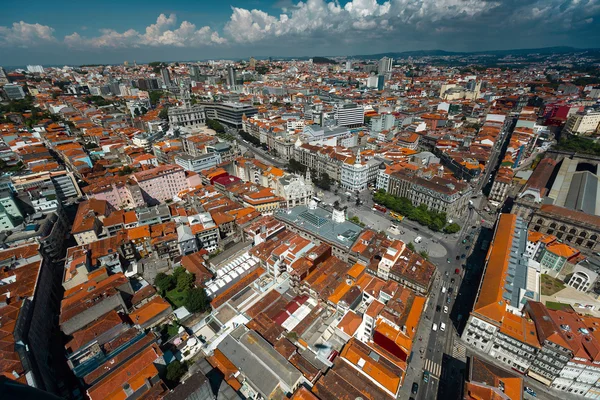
[
  {"x": 163, "y": 33},
  {"x": 328, "y": 17},
  {"x": 22, "y": 34},
  {"x": 357, "y": 24}
]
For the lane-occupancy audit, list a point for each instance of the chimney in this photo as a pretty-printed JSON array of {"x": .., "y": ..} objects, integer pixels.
[{"x": 127, "y": 389}]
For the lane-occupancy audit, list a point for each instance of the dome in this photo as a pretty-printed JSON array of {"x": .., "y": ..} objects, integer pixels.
[{"x": 382, "y": 166}]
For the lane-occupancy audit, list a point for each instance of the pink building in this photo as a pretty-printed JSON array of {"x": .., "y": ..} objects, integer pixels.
[
  {"x": 119, "y": 192},
  {"x": 161, "y": 183}
]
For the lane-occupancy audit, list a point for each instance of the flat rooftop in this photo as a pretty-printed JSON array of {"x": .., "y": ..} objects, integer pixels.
[{"x": 318, "y": 222}]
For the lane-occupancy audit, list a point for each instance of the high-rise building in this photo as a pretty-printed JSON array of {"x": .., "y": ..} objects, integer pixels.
[
  {"x": 14, "y": 91},
  {"x": 114, "y": 88},
  {"x": 385, "y": 65},
  {"x": 194, "y": 73},
  {"x": 348, "y": 65},
  {"x": 230, "y": 76},
  {"x": 166, "y": 76},
  {"x": 380, "y": 82},
  {"x": 3, "y": 77},
  {"x": 252, "y": 62},
  {"x": 349, "y": 114},
  {"x": 35, "y": 69}
]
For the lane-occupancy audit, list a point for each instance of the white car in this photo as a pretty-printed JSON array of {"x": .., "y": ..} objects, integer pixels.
[
  {"x": 442, "y": 327},
  {"x": 434, "y": 328},
  {"x": 445, "y": 309},
  {"x": 418, "y": 239},
  {"x": 443, "y": 289}
]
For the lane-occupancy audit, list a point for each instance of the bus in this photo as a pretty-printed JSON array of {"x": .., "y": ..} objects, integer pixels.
[
  {"x": 396, "y": 216},
  {"x": 379, "y": 208}
]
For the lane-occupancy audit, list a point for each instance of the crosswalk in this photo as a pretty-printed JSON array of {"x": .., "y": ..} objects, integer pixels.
[
  {"x": 434, "y": 369},
  {"x": 459, "y": 350}
]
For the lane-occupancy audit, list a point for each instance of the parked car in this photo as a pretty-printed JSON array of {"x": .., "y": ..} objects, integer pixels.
[
  {"x": 425, "y": 376},
  {"x": 530, "y": 391},
  {"x": 445, "y": 309}
]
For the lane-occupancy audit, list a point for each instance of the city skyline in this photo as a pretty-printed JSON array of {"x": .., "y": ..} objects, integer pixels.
[{"x": 113, "y": 32}]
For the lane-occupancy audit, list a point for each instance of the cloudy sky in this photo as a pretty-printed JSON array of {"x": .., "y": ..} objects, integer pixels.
[{"x": 109, "y": 31}]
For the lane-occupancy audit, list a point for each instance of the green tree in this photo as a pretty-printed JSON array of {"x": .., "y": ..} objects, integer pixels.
[
  {"x": 197, "y": 300},
  {"x": 185, "y": 281},
  {"x": 164, "y": 282},
  {"x": 155, "y": 96},
  {"x": 452, "y": 228},
  {"x": 295, "y": 167},
  {"x": 424, "y": 254},
  {"x": 164, "y": 113},
  {"x": 411, "y": 246},
  {"x": 175, "y": 371}
]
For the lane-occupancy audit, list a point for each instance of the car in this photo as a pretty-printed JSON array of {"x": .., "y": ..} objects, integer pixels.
[
  {"x": 449, "y": 299},
  {"x": 443, "y": 327},
  {"x": 443, "y": 289},
  {"x": 425, "y": 376},
  {"x": 464, "y": 241},
  {"x": 452, "y": 280},
  {"x": 415, "y": 388},
  {"x": 474, "y": 227},
  {"x": 530, "y": 391},
  {"x": 448, "y": 260},
  {"x": 463, "y": 256},
  {"x": 418, "y": 239},
  {"x": 450, "y": 290},
  {"x": 467, "y": 248},
  {"x": 437, "y": 308},
  {"x": 445, "y": 309},
  {"x": 457, "y": 271},
  {"x": 457, "y": 258},
  {"x": 434, "y": 327}
]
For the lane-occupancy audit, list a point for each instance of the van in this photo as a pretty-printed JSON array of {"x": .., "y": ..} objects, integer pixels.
[
  {"x": 442, "y": 327},
  {"x": 418, "y": 239},
  {"x": 434, "y": 328}
]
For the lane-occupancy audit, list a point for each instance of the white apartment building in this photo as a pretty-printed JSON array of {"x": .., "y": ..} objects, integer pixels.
[
  {"x": 583, "y": 123},
  {"x": 355, "y": 176}
]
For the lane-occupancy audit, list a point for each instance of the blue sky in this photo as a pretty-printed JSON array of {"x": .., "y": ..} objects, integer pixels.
[{"x": 114, "y": 31}]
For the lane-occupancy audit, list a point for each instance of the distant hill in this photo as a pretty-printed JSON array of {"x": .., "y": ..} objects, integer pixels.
[
  {"x": 323, "y": 60},
  {"x": 441, "y": 53}
]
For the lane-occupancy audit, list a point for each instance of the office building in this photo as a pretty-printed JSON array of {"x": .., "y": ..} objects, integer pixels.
[
  {"x": 349, "y": 114},
  {"x": 385, "y": 65},
  {"x": 14, "y": 91},
  {"x": 166, "y": 77},
  {"x": 380, "y": 82},
  {"x": 3, "y": 77},
  {"x": 36, "y": 69},
  {"x": 230, "y": 114},
  {"x": 230, "y": 76},
  {"x": 198, "y": 163}
]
